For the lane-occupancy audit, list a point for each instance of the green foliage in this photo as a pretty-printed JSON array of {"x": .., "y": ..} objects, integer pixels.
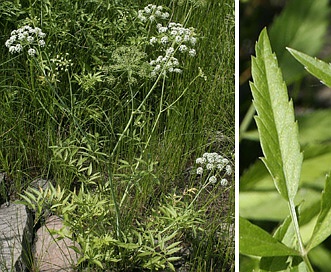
[
  {"x": 87, "y": 113},
  {"x": 296, "y": 27},
  {"x": 306, "y": 226}
]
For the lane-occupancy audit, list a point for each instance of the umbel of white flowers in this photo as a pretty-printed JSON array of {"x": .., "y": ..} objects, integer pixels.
[
  {"x": 26, "y": 36},
  {"x": 216, "y": 165},
  {"x": 171, "y": 38}
]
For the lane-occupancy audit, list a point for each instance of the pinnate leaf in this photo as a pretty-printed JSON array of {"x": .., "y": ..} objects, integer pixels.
[{"x": 277, "y": 128}]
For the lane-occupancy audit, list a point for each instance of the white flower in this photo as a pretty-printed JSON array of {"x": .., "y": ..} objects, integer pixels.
[
  {"x": 31, "y": 52},
  {"x": 178, "y": 71},
  {"x": 181, "y": 31},
  {"x": 165, "y": 15},
  {"x": 183, "y": 48},
  {"x": 178, "y": 39},
  {"x": 163, "y": 29},
  {"x": 218, "y": 159},
  {"x": 209, "y": 166},
  {"x": 18, "y": 48},
  {"x": 212, "y": 179},
  {"x": 152, "y": 18},
  {"x": 159, "y": 8},
  {"x": 224, "y": 182},
  {"x": 158, "y": 13},
  {"x": 142, "y": 18},
  {"x": 41, "y": 34},
  {"x": 12, "y": 49},
  {"x": 159, "y": 59},
  {"x": 199, "y": 170},
  {"x": 30, "y": 39},
  {"x": 173, "y": 32},
  {"x": 41, "y": 43},
  {"x": 164, "y": 39},
  {"x": 8, "y": 43},
  {"x": 193, "y": 40},
  {"x": 192, "y": 52},
  {"x": 225, "y": 161},
  {"x": 153, "y": 40},
  {"x": 228, "y": 170},
  {"x": 20, "y": 36},
  {"x": 169, "y": 51},
  {"x": 13, "y": 32},
  {"x": 210, "y": 157},
  {"x": 147, "y": 10},
  {"x": 175, "y": 62},
  {"x": 200, "y": 160}
]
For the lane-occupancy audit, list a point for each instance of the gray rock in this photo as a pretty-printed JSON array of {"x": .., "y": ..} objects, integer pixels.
[
  {"x": 15, "y": 237},
  {"x": 40, "y": 183},
  {"x": 51, "y": 253}
]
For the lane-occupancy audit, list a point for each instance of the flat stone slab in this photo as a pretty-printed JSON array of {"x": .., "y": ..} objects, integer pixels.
[
  {"x": 51, "y": 253},
  {"x": 14, "y": 227}
]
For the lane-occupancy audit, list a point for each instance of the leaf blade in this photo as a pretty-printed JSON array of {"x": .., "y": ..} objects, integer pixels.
[
  {"x": 316, "y": 67},
  {"x": 277, "y": 128},
  {"x": 322, "y": 228},
  {"x": 255, "y": 241}
]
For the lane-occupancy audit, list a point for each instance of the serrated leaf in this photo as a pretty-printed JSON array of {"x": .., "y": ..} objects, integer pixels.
[
  {"x": 255, "y": 241},
  {"x": 316, "y": 67},
  {"x": 322, "y": 228},
  {"x": 297, "y": 26},
  {"x": 278, "y": 130},
  {"x": 314, "y": 127}
]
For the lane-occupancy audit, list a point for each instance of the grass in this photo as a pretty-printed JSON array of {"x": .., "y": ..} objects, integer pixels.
[{"x": 120, "y": 145}]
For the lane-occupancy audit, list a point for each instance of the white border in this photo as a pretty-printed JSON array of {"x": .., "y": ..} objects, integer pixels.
[{"x": 237, "y": 135}]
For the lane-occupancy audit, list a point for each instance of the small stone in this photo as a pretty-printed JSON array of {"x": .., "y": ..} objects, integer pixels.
[
  {"x": 51, "y": 253},
  {"x": 15, "y": 237}
]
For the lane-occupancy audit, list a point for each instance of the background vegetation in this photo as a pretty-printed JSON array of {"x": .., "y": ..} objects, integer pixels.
[{"x": 118, "y": 144}]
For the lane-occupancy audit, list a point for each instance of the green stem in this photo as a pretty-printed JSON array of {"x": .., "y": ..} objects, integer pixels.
[
  {"x": 117, "y": 210},
  {"x": 246, "y": 121},
  {"x": 297, "y": 232}
]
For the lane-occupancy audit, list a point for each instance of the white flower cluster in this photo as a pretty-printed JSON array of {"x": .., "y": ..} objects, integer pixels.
[
  {"x": 152, "y": 13},
  {"x": 215, "y": 164},
  {"x": 176, "y": 32},
  {"x": 25, "y": 36},
  {"x": 165, "y": 63},
  {"x": 62, "y": 63},
  {"x": 172, "y": 38}
]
